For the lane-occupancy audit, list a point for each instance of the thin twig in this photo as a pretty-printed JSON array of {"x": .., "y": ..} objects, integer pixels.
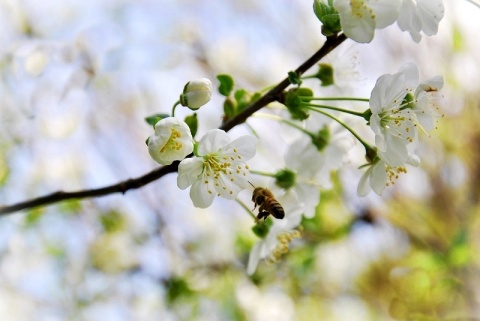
[{"x": 121, "y": 187}]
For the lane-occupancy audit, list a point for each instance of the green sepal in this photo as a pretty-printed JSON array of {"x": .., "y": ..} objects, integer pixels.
[
  {"x": 295, "y": 99},
  {"x": 155, "y": 118},
  {"x": 195, "y": 149},
  {"x": 294, "y": 78},
  {"x": 285, "y": 178},
  {"x": 226, "y": 84},
  {"x": 262, "y": 228},
  {"x": 366, "y": 115},
  {"x": 321, "y": 139},
  {"x": 192, "y": 123}
]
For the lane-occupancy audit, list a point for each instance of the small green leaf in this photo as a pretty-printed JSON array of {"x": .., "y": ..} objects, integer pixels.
[
  {"x": 192, "y": 122},
  {"x": 226, "y": 84},
  {"x": 294, "y": 78},
  {"x": 155, "y": 118}
]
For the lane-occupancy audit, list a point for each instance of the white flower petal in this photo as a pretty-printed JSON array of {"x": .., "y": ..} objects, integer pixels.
[
  {"x": 378, "y": 178},
  {"x": 364, "y": 184},
  {"x": 254, "y": 258},
  {"x": 310, "y": 197},
  {"x": 431, "y": 13},
  {"x": 189, "y": 170},
  {"x": 386, "y": 11},
  {"x": 212, "y": 141},
  {"x": 359, "y": 23},
  {"x": 202, "y": 194},
  {"x": 245, "y": 146}
]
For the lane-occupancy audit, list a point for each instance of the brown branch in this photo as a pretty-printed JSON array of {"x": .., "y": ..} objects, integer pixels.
[{"x": 122, "y": 187}]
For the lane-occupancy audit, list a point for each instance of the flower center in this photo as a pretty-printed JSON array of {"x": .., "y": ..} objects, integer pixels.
[
  {"x": 399, "y": 123},
  {"x": 393, "y": 173},
  {"x": 221, "y": 169},
  {"x": 172, "y": 142}
]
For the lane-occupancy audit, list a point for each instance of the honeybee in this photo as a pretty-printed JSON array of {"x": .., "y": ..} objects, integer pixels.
[{"x": 268, "y": 204}]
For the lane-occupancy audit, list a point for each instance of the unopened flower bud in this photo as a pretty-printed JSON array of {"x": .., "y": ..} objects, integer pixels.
[{"x": 196, "y": 93}]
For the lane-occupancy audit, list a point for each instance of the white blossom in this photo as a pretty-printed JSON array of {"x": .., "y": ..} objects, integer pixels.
[
  {"x": 172, "y": 141},
  {"x": 418, "y": 16},
  {"x": 279, "y": 236},
  {"x": 360, "y": 18},
  {"x": 218, "y": 170},
  {"x": 196, "y": 93}
]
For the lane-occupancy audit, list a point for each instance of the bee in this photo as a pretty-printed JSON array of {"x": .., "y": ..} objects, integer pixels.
[{"x": 268, "y": 204}]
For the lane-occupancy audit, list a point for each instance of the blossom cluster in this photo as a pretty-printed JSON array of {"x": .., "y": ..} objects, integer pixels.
[{"x": 400, "y": 108}]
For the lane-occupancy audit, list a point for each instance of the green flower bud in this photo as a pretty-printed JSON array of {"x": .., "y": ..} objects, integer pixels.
[
  {"x": 285, "y": 178},
  {"x": 196, "y": 93},
  {"x": 325, "y": 74},
  {"x": 328, "y": 16}
]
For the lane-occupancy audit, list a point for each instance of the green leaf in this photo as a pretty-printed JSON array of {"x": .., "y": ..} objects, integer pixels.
[
  {"x": 155, "y": 118},
  {"x": 226, "y": 84},
  {"x": 192, "y": 122}
]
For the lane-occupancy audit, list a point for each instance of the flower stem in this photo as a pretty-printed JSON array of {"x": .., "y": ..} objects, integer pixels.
[
  {"x": 175, "y": 106},
  {"x": 364, "y": 143},
  {"x": 280, "y": 119},
  {"x": 262, "y": 173},
  {"x": 340, "y": 98},
  {"x": 356, "y": 113},
  {"x": 242, "y": 204}
]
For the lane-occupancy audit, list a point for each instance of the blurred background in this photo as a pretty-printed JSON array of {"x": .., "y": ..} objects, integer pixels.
[{"x": 78, "y": 78}]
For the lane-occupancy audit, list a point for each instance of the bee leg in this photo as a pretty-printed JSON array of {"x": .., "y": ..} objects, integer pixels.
[{"x": 263, "y": 214}]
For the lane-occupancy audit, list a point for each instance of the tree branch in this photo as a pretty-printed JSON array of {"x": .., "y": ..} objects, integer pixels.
[{"x": 122, "y": 187}]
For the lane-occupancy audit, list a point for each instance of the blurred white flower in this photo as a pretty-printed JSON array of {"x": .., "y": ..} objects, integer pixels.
[
  {"x": 220, "y": 168},
  {"x": 306, "y": 162},
  {"x": 360, "y": 18},
  {"x": 392, "y": 123},
  {"x": 172, "y": 141},
  {"x": 279, "y": 236},
  {"x": 196, "y": 93},
  {"x": 420, "y": 15}
]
